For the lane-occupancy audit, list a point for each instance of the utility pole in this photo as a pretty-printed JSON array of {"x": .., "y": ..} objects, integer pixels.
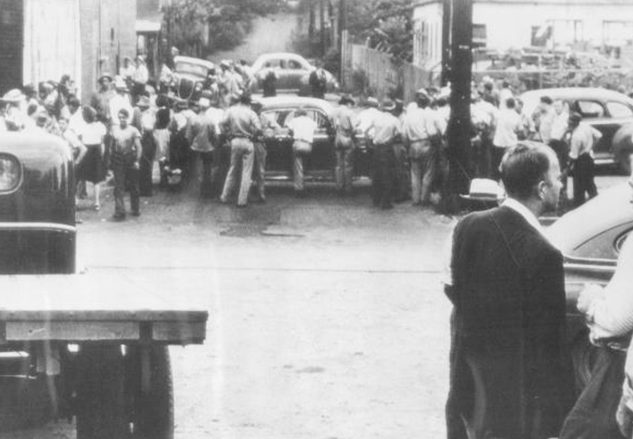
[
  {"x": 458, "y": 134},
  {"x": 322, "y": 18},
  {"x": 447, "y": 14},
  {"x": 311, "y": 24}
]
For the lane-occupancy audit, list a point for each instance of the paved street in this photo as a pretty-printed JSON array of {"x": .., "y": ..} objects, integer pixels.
[{"x": 327, "y": 317}]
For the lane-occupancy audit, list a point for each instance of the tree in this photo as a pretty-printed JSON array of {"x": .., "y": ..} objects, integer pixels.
[{"x": 201, "y": 27}]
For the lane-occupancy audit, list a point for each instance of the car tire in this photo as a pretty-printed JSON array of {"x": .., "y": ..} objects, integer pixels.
[
  {"x": 25, "y": 402},
  {"x": 101, "y": 409},
  {"x": 152, "y": 410}
]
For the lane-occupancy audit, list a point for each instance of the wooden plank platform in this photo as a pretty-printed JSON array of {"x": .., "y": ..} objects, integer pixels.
[{"x": 89, "y": 307}]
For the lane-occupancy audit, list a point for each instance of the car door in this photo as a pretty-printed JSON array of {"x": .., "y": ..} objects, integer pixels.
[
  {"x": 279, "y": 145},
  {"x": 321, "y": 163},
  {"x": 594, "y": 113}
]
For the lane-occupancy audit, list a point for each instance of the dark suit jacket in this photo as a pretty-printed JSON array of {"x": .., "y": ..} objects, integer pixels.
[{"x": 509, "y": 323}]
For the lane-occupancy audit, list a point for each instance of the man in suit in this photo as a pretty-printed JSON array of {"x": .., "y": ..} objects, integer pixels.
[{"x": 509, "y": 372}]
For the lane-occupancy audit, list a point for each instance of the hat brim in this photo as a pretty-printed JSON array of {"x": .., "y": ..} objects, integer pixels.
[{"x": 482, "y": 197}]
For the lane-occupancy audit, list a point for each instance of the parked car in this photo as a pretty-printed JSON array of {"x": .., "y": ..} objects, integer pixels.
[
  {"x": 320, "y": 164},
  {"x": 590, "y": 238},
  {"x": 293, "y": 72},
  {"x": 606, "y": 110},
  {"x": 191, "y": 77}
]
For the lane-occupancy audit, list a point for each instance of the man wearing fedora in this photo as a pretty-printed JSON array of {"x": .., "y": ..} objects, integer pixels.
[
  {"x": 242, "y": 126},
  {"x": 202, "y": 136},
  {"x": 384, "y": 129},
  {"x": 100, "y": 100},
  {"x": 344, "y": 145},
  {"x": 120, "y": 101},
  {"x": 144, "y": 119},
  {"x": 510, "y": 375}
]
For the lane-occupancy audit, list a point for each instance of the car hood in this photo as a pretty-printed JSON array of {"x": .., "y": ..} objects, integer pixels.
[{"x": 611, "y": 208}]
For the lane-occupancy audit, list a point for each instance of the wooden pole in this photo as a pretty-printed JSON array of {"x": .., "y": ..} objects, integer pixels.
[{"x": 458, "y": 134}]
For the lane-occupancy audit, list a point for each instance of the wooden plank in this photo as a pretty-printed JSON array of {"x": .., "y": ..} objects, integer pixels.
[
  {"x": 72, "y": 331},
  {"x": 175, "y": 333}
]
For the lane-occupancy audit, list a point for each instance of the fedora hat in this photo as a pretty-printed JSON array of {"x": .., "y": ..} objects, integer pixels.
[
  {"x": 387, "y": 105},
  {"x": 484, "y": 189},
  {"x": 105, "y": 76},
  {"x": 13, "y": 96},
  {"x": 143, "y": 102},
  {"x": 120, "y": 84}
]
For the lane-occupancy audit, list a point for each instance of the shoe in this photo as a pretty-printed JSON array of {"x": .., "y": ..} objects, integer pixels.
[
  {"x": 118, "y": 217},
  {"x": 241, "y": 206},
  {"x": 136, "y": 213}
]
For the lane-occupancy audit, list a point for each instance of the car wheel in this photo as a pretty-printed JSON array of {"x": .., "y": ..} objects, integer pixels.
[
  {"x": 101, "y": 408},
  {"x": 25, "y": 402},
  {"x": 153, "y": 408}
]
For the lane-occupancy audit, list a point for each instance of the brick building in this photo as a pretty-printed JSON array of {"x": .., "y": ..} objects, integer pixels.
[{"x": 43, "y": 39}]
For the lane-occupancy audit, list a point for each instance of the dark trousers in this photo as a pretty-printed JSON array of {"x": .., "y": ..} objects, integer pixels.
[
  {"x": 209, "y": 184},
  {"x": 402, "y": 177},
  {"x": 583, "y": 174},
  {"x": 147, "y": 161},
  {"x": 593, "y": 415},
  {"x": 125, "y": 176},
  {"x": 382, "y": 175}
]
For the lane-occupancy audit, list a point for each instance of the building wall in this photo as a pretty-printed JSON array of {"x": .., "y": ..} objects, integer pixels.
[
  {"x": 11, "y": 43},
  {"x": 510, "y": 24},
  {"x": 108, "y": 29}
]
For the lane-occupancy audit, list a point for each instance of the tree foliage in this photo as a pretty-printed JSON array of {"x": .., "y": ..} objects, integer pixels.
[
  {"x": 202, "y": 27},
  {"x": 385, "y": 25}
]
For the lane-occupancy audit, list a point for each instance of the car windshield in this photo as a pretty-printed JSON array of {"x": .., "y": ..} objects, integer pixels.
[
  {"x": 192, "y": 69},
  {"x": 283, "y": 116}
]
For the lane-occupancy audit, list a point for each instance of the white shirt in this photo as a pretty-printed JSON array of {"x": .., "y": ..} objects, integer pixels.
[
  {"x": 92, "y": 134},
  {"x": 611, "y": 315},
  {"x": 365, "y": 120},
  {"x": 302, "y": 128},
  {"x": 508, "y": 124}
]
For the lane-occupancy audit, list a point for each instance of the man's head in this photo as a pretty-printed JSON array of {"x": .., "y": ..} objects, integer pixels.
[
  {"x": 123, "y": 117},
  {"x": 511, "y": 103},
  {"x": 545, "y": 102},
  {"x": 531, "y": 174},
  {"x": 559, "y": 106},
  {"x": 104, "y": 81},
  {"x": 422, "y": 98}
]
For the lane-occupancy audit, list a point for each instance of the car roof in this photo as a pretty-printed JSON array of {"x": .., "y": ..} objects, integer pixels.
[
  {"x": 261, "y": 59},
  {"x": 531, "y": 98},
  {"x": 610, "y": 209},
  {"x": 290, "y": 101},
  {"x": 201, "y": 62}
]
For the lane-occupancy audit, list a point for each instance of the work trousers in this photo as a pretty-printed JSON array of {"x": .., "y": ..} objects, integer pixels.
[
  {"x": 344, "y": 148},
  {"x": 208, "y": 175},
  {"x": 148, "y": 144},
  {"x": 402, "y": 173},
  {"x": 382, "y": 175},
  {"x": 300, "y": 149},
  {"x": 242, "y": 152},
  {"x": 583, "y": 174},
  {"x": 125, "y": 176},
  {"x": 422, "y": 170},
  {"x": 259, "y": 173}
]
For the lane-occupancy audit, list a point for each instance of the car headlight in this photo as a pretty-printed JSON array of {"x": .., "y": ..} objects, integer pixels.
[{"x": 10, "y": 173}]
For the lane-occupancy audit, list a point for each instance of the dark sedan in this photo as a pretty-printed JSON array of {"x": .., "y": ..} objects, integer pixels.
[
  {"x": 590, "y": 238},
  {"x": 320, "y": 164},
  {"x": 605, "y": 110}
]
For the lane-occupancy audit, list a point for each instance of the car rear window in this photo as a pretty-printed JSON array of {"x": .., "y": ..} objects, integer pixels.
[
  {"x": 590, "y": 109},
  {"x": 286, "y": 115},
  {"x": 617, "y": 109}
]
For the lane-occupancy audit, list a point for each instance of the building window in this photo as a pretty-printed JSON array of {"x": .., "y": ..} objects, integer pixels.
[
  {"x": 479, "y": 35},
  {"x": 556, "y": 33}
]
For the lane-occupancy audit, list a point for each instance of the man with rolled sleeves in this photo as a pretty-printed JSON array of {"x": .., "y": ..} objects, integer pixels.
[
  {"x": 386, "y": 130},
  {"x": 344, "y": 145},
  {"x": 242, "y": 126},
  {"x": 125, "y": 156},
  {"x": 302, "y": 130}
]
